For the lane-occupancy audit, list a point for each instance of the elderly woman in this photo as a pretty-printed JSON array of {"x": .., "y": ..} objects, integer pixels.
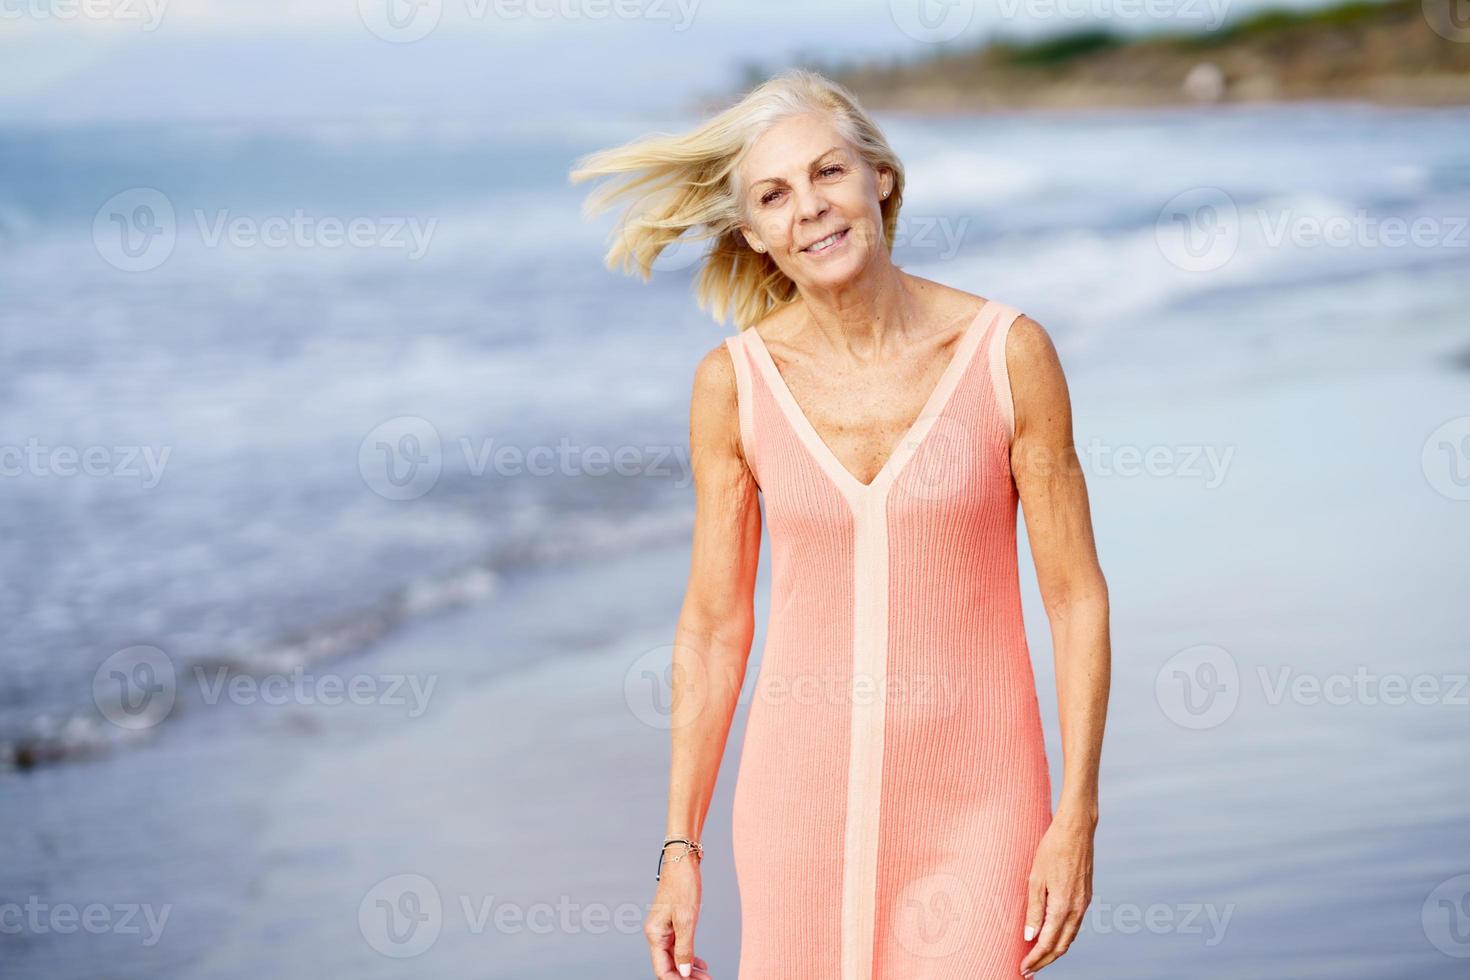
[{"x": 892, "y": 816}]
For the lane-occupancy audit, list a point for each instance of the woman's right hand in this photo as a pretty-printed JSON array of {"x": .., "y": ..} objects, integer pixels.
[{"x": 670, "y": 923}]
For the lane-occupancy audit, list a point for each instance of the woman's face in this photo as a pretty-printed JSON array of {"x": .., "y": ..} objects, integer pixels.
[{"x": 804, "y": 183}]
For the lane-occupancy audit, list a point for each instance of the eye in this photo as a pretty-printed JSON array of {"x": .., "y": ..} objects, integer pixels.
[
  {"x": 769, "y": 196},
  {"x": 834, "y": 168}
]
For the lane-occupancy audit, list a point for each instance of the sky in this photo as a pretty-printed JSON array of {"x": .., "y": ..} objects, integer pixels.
[{"x": 127, "y": 61}]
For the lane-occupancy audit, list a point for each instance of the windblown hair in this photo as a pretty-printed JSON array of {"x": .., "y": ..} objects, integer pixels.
[{"x": 688, "y": 182}]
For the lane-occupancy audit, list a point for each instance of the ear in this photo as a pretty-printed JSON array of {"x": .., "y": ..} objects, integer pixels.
[{"x": 750, "y": 239}]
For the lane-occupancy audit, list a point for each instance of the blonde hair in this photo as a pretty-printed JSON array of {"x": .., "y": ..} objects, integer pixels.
[{"x": 688, "y": 183}]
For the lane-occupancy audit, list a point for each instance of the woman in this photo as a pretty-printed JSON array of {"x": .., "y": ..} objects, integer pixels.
[{"x": 892, "y": 817}]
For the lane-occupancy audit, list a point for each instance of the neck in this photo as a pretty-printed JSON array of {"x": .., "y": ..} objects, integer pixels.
[{"x": 865, "y": 318}]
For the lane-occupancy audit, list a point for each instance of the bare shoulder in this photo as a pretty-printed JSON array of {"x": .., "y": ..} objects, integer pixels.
[
  {"x": 714, "y": 377},
  {"x": 714, "y": 412},
  {"x": 1030, "y": 344},
  {"x": 1038, "y": 383}
]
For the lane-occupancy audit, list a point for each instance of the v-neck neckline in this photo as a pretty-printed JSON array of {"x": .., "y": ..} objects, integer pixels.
[{"x": 913, "y": 436}]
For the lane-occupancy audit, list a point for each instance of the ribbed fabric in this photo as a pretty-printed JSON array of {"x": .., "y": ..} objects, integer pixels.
[{"x": 893, "y": 782}]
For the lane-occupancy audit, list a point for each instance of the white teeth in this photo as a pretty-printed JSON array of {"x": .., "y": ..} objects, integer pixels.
[{"x": 817, "y": 246}]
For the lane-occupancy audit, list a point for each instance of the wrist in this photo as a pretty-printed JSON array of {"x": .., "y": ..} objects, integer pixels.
[{"x": 1081, "y": 814}]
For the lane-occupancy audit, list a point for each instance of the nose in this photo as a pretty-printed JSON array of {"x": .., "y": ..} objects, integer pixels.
[{"x": 811, "y": 204}]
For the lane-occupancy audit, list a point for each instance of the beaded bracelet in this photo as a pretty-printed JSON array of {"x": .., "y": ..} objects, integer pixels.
[{"x": 690, "y": 847}]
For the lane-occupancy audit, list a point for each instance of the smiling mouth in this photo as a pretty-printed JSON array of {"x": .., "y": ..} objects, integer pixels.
[{"x": 831, "y": 241}]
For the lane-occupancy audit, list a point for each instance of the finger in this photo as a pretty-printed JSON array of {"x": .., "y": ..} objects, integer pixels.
[
  {"x": 660, "y": 935},
  {"x": 684, "y": 942},
  {"x": 1071, "y": 924},
  {"x": 1051, "y": 926},
  {"x": 1050, "y": 944},
  {"x": 663, "y": 965},
  {"x": 1035, "y": 908}
]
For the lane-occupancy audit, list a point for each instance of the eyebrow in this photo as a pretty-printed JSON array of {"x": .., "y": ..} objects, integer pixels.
[{"x": 815, "y": 160}]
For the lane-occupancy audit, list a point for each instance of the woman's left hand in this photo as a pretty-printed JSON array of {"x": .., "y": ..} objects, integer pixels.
[{"x": 1059, "y": 889}]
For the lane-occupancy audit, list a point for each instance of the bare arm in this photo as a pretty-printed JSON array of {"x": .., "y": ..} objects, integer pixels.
[
  {"x": 717, "y": 621},
  {"x": 1059, "y": 525},
  {"x": 712, "y": 643},
  {"x": 1053, "y": 496}
]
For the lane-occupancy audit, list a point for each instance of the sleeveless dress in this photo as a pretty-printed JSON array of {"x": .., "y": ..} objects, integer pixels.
[{"x": 893, "y": 782}]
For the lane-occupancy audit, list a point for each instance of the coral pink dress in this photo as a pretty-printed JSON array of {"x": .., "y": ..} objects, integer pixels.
[{"x": 893, "y": 782}]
